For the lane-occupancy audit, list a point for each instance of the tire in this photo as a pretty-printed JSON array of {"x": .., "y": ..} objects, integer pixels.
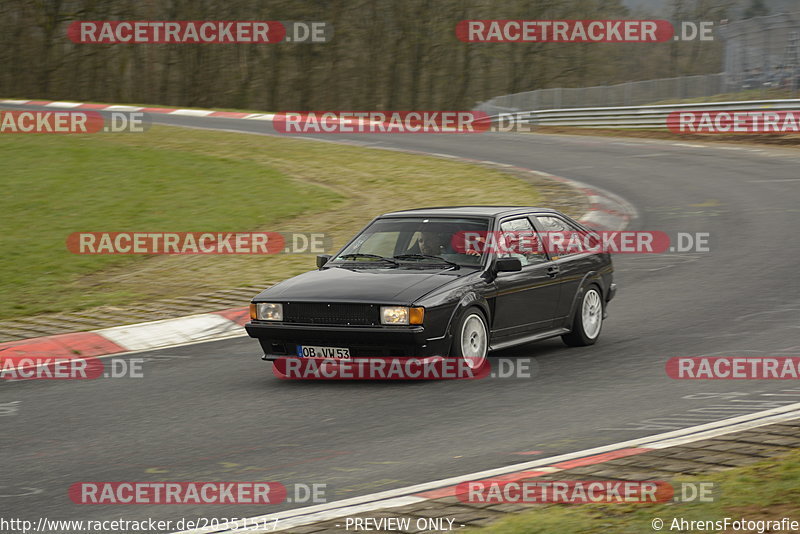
[
  {"x": 471, "y": 339},
  {"x": 588, "y": 320}
]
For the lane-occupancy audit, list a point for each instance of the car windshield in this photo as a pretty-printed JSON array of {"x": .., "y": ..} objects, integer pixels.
[{"x": 414, "y": 241}]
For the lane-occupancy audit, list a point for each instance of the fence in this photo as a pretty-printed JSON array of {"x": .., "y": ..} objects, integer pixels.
[
  {"x": 624, "y": 94},
  {"x": 760, "y": 53},
  {"x": 641, "y": 116}
]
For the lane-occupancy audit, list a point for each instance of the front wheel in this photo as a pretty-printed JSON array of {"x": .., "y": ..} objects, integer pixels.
[
  {"x": 471, "y": 340},
  {"x": 588, "y": 320}
]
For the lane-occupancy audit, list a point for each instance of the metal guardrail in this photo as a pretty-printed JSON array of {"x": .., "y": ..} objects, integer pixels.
[{"x": 653, "y": 116}]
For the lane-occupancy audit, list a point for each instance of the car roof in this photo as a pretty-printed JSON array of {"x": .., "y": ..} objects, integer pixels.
[{"x": 481, "y": 211}]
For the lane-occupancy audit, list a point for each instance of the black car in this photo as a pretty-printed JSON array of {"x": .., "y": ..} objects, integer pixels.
[{"x": 406, "y": 287}]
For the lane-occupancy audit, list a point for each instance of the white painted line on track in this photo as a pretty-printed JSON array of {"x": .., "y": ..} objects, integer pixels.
[
  {"x": 404, "y": 496},
  {"x": 64, "y": 104},
  {"x": 260, "y": 116},
  {"x": 727, "y": 426},
  {"x": 122, "y": 108},
  {"x": 191, "y": 112}
]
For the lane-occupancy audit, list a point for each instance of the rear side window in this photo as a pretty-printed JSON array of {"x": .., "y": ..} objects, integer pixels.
[
  {"x": 520, "y": 240},
  {"x": 552, "y": 226}
]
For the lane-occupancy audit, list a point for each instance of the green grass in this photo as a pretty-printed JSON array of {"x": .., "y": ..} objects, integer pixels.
[
  {"x": 56, "y": 185},
  {"x": 767, "y": 490},
  {"x": 174, "y": 179}
]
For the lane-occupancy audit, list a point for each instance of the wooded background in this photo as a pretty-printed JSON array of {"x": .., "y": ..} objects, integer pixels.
[{"x": 385, "y": 54}]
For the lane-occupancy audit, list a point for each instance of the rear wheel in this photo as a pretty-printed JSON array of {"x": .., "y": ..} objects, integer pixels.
[
  {"x": 588, "y": 320},
  {"x": 471, "y": 340}
]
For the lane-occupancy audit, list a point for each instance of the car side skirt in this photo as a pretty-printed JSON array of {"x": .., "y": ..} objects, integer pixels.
[{"x": 528, "y": 339}]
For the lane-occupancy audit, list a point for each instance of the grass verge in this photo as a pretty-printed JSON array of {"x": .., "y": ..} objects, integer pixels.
[
  {"x": 767, "y": 490},
  {"x": 174, "y": 179}
]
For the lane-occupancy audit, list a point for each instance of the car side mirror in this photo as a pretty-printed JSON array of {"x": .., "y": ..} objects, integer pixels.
[
  {"x": 322, "y": 259},
  {"x": 507, "y": 265}
]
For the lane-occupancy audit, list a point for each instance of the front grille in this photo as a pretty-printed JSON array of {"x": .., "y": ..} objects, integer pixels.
[{"x": 323, "y": 313}]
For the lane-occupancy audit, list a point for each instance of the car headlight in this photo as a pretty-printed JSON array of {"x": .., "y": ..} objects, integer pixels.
[
  {"x": 402, "y": 315},
  {"x": 266, "y": 311}
]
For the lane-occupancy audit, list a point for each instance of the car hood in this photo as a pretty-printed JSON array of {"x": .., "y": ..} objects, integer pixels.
[{"x": 362, "y": 285}]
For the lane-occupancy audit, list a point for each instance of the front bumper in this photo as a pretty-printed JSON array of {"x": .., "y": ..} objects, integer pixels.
[{"x": 280, "y": 340}]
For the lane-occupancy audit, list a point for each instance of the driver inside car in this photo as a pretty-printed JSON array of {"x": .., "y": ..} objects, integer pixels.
[{"x": 435, "y": 244}]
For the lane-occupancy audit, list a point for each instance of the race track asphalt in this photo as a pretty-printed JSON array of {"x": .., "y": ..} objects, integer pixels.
[{"x": 214, "y": 411}]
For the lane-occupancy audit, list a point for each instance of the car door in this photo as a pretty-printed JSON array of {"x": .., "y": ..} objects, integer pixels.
[
  {"x": 526, "y": 300},
  {"x": 572, "y": 264}
]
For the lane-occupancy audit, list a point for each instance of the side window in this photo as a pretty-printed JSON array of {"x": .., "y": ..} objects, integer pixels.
[
  {"x": 557, "y": 233},
  {"x": 518, "y": 239}
]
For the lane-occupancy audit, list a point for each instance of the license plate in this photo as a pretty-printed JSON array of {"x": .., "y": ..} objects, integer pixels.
[{"x": 333, "y": 353}]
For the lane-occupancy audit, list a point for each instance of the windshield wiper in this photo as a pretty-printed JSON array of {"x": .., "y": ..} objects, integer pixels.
[
  {"x": 424, "y": 257},
  {"x": 370, "y": 256}
]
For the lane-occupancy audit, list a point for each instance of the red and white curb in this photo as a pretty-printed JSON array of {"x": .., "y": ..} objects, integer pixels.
[
  {"x": 172, "y": 111},
  {"x": 606, "y": 212},
  {"x": 165, "y": 111},
  {"x": 447, "y": 487},
  {"x": 135, "y": 337}
]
